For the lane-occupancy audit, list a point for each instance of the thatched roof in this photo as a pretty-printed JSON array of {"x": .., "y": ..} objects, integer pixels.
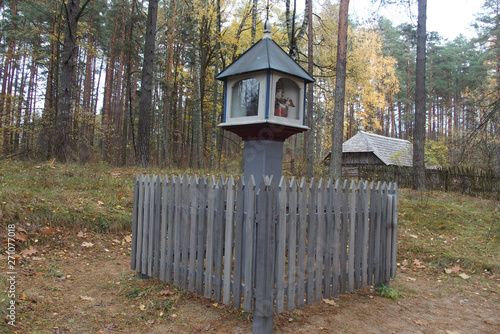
[{"x": 391, "y": 151}]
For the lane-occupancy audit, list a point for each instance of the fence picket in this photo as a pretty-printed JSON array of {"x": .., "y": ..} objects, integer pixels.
[
  {"x": 228, "y": 244},
  {"x": 140, "y": 225},
  {"x": 219, "y": 238},
  {"x": 249, "y": 245},
  {"x": 177, "y": 229},
  {"x": 336, "y": 272},
  {"x": 238, "y": 241},
  {"x": 281, "y": 246},
  {"x": 320, "y": 241},
  {"x": 194, "y": 194},
  {"x": 164, "y": 221},
  {"x": 394, "y": 230},
  {"x": 365, "y": 223},
  {"x": 302, "y": 242},
  {"x": 343, "y": 241},
  {"x": 135, "y": 213},
  {"x": 145, "y": 224},
  {"x": 328, "y": 251},
  {"x": 171, "y": 228},
  {"x": 157, "y": 226},
  {"x": 311, "y": 242},
  {"x": 292, "y": 244},
  {"x": 352, "y": 237},
  {"x": 202, "y": 231},
  {"x": 212, "y": 187}
]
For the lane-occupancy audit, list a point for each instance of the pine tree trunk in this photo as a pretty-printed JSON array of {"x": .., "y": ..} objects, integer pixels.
[
  {"x": 309, "y": 136},
  {"x": 144, "y": 130},
  {"x": 69, "y": 53},
  {"x": 419, "y": 128},
  {"x": 338, "y": 113}
]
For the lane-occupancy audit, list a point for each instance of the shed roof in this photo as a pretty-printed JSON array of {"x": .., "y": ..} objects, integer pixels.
[
  {"x": 391, "y": 151},
  {"x": 265, "y": 54}
]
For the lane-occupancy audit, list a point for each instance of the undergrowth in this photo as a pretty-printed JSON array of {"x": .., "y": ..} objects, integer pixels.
[{"x": 444, "y": 229}]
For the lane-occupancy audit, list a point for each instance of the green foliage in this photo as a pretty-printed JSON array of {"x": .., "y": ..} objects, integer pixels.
[
  {"x": 436, "y": 153},
  {"x": 388, "y": 292}
]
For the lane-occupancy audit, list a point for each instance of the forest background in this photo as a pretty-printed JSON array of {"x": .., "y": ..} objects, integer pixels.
[{"x": 194, "y": 41}]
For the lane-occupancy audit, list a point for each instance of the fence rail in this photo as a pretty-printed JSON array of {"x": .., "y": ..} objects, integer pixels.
[{"x": 264, "y": 246}]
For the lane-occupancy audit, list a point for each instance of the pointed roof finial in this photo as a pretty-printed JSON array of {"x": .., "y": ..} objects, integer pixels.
[{"x": 267, "y": 25}]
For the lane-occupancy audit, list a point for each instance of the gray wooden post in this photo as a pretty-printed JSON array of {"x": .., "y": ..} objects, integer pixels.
[{"x": 264, "y": 273}]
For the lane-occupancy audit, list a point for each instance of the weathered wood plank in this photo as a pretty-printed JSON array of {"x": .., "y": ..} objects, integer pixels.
[
  {"x": 177, "y": 229},
  {"x": 219, "y": 238},
  {"x": 238, "y": 241},
  {"x": 320, "y": 241},
  {"x": 135, "y": 220},
  {"x": 281, "y": 246},
  {"x": 377, "y": 246},
  {"x": 329, "y": 238},
  {"x": 211, "y": 194},
  {"x": 394, "y": 230},
  {"x": 185, "y": 227},
  {"x": 171, "y": 228},
  {"x": 157, "y": 227},
  {"x": 311, "y": 242},
  {"x": 337, "y": 221},
  {"x": 388, "y": 243},
  {"x": 249, "y": 245},
  {"x": 202, "y": 231},
  {"x": 343, "y": 242},
  {"x": 145, "y": 230},
  {"x": 193, "y": 233},
  {"x": 292, "y": 244},
  {"x": 352, "y": 237},
  {"x": 140, "y": 224},
  {"x": 164, "y": 227},
  {"x": 302, "y": 242},
  {"x": 365, "y": 224},
  {"x": 151, "y": 228},
  {"x": 371, "y": 235},
  {"x": 228, "y": 243}
]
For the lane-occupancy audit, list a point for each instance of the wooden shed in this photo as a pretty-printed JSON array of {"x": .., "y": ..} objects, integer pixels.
[{"x": 369, "y": 149}]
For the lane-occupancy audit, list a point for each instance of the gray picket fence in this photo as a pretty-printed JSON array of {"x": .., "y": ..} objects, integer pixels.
[{"x": 266, "y": 246}]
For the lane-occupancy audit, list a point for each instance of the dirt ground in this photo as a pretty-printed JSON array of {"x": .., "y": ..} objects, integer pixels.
[{"x": 82, "y": 283}]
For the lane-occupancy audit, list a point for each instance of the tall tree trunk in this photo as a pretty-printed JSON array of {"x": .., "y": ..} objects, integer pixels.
[
  {"x": 69, "y": 53},
  {"x": 338, "y": 112},
  {"x": 419, "y": 128},
  {"x": 167, "y": 96},
  {"x": 144, "y": 130},
  {"x": 309, "y": 137}
]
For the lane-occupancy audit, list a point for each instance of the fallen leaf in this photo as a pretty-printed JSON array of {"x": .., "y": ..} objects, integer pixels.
[
  {"x": 418, "y": 264},
  {"x": 29, "y": 251},
  {"x": 21, "y": 237},
  {"x": 23, "y": 296},
  {"x": 128, "y": 238},
  {"x": 80, "y": 235},
  {"x": 330, "y": 302},
  {"x": 142, "y": 307},
  {"x": 87, "y": 244},
  {"x": 451, "y": 332},
  {"x": 87, "y": 298},
  {"x": 49, "y": 231},
  {"x": 100, "y": 203},
  {"x": 116, "y": 241},
  {"x": 456, "y": 268},
  {"x": 165, "y": 293},
  {"x": 414, "y": 236},
  {"x": 36, "y": 258},
  {"x": 215, "y": 304},
  {"x": 448, "y": 271},
  {"x": 464, "y": 276}
]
